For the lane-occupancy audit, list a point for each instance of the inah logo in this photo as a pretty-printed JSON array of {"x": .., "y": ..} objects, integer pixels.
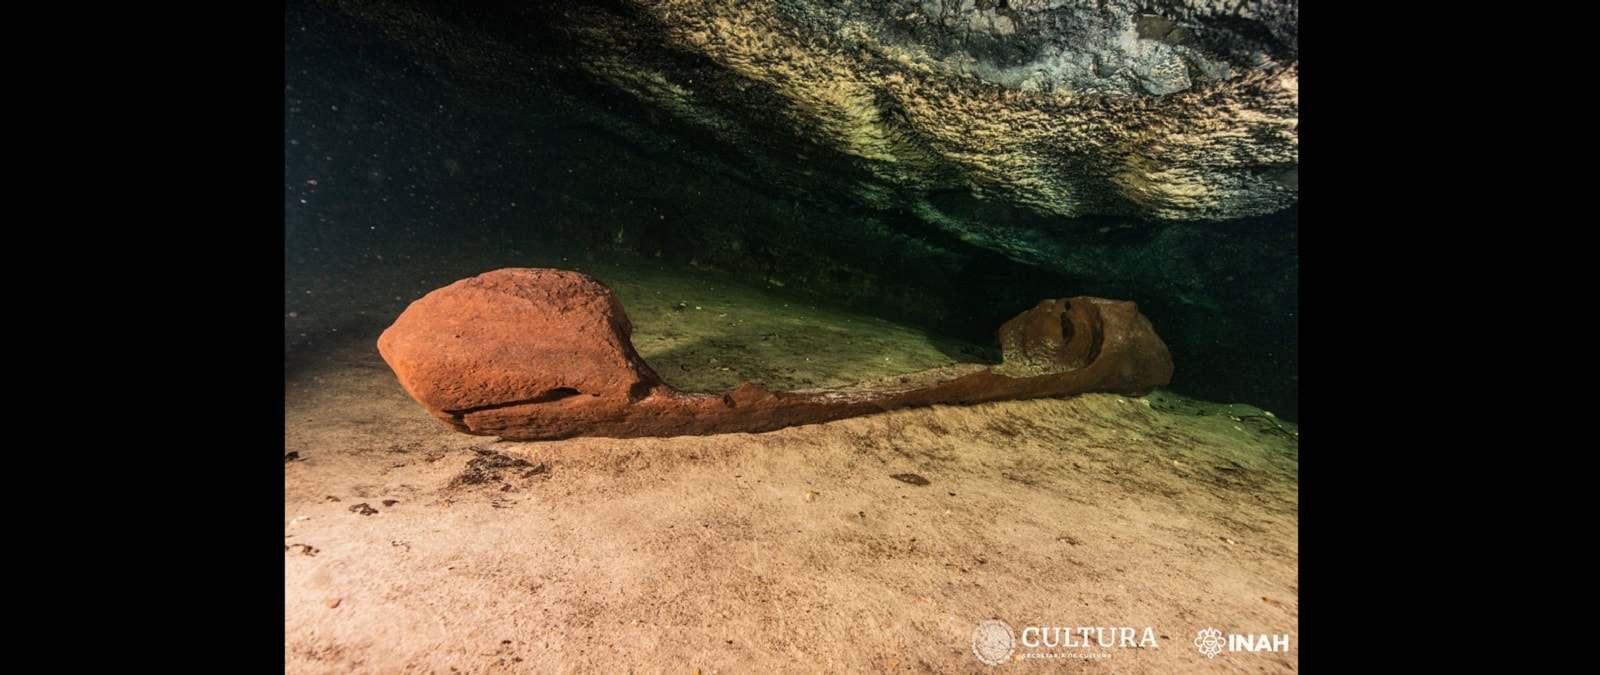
[
  {"x": 1212, "y": 642},
  {"x": 993, "y": 642},
  {"x": 1209, "y": 642}
]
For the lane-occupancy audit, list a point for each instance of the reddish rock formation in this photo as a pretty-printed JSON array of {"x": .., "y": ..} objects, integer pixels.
[{"x": 530, "y": 354}]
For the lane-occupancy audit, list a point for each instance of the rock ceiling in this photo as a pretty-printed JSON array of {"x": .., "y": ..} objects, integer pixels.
[{"x": 1165, "y": 111}]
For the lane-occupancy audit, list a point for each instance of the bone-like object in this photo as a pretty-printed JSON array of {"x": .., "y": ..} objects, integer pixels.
[{"x": 534, "y": 354}]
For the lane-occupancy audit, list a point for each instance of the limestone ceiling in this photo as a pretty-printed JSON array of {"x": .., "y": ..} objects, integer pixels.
[
  {"x": 1171, "y": 110},
  {"x": 1069, "y": 107}
]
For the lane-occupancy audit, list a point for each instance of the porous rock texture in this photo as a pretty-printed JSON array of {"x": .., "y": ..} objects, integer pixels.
[
  {"x": 1172, "y": 110},
  {"x": 1169, "y": 111},
  {"x": 532, "y": 354}
]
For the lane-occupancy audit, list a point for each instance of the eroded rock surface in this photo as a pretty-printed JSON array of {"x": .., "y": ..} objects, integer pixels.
[{"x": 533, "y": 354}]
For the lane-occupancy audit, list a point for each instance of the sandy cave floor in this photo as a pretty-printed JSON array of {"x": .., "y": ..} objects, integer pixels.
[{"x": 411, "y": 548}]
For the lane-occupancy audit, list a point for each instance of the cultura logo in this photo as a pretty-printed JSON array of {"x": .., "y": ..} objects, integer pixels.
[
  {"x": 1209, "y": 642},
  {"x": 993, "y": 642}
]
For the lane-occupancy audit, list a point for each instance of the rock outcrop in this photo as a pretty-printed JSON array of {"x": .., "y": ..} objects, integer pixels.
[{"x": 534, "y": 354}]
